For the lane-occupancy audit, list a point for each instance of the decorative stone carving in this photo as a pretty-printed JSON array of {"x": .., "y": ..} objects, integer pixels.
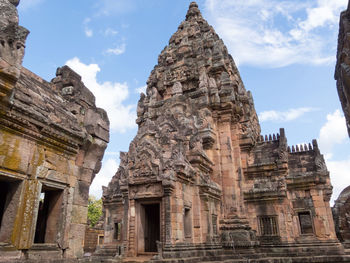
[{"x": 12, "y": 44}]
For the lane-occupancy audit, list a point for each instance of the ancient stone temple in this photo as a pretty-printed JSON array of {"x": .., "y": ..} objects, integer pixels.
[
  {"x": 200, "y": 182},
  {"x": 52, "y": 140}
]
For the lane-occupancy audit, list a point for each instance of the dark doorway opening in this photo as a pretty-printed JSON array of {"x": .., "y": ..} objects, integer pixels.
[
  {"x": 117, "y": 231},
  {"x": 151, "y": 226},
  {"x": 4, "y": 189},
  {"x": 9, "y": 200},
  {"x": 50, "y": 208}
]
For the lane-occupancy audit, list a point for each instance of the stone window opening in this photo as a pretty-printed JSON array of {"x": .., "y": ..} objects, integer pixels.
[
  {"x": 117, "y": 231},
  {"x": 187, "y": 222},
  {"x": 49, "y": 213},
  {"x": 100, "y": 239},
  {"x": 268, "y": 225},
  {"x": 305, "y": 223},
  {"x": 214, "y": 219},
  {"x": 9, "y": 199}
]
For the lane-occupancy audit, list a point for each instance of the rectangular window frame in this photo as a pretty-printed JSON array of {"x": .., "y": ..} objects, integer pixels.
[
  {"x": 187, "y": 223},
  {"x": 214, "y": 219},
  {"x": 303, "y": 230},
  {"x": 268, "y": 226},
  {"x": 117, "y": 234}
]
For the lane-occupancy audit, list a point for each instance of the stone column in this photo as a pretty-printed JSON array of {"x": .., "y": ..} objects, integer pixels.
[
  {"x": 204, "y": 206},
  {"x": 132, "y": 225},
  {"x": 196, "y": 208},
  {"x": 227, "y": 165},
  {"x": 125, "y": 219},
  {"x": 24, "y": 230},
  {"x": 168, "y": 190}
]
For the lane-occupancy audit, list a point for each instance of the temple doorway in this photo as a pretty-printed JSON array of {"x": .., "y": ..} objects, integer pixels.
[
  {"x": 149, "y": 227},
  {"x": 49, "y": 212},
  {"x": 10, "y": 192}
]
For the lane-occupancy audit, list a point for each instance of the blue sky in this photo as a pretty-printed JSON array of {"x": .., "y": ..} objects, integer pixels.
[{"x": 285, "y": 51}]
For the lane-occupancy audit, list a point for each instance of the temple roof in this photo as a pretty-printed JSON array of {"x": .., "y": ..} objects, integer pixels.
[{"x": 193, "y": 49}]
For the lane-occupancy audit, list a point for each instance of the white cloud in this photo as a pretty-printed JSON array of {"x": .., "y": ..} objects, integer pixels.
[
  {"x": 88, "y": 32},
  {"x": 141, "y": 89},
  {"x": 114, "y": 7},
  {"x": 340, "y": 175},
  {"x": 277, "y": 33},
  {"x": 117, "y": 50},
  {"x": 110, "y": 32},
  {"x": 332, "y": 132},
  {"x": 27, "y": 4},
  {"x": 283, "y": 116},
  {"x": 110, "y": 96},
  {"x": 326, "y": 12},
  {"x": 109, "y": 168}
]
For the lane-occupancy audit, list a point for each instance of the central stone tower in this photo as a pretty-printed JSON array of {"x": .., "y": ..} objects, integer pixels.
[{"x": 198, "y": 175}]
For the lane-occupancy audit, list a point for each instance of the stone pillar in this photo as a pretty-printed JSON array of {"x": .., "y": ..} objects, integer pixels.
[
  {"x": 196, "y": 208},
  {"x": 323, "y": 221},
  {"x": 227, "y": 166},
  {"x": 125, "y": 219},
  {"x": 24, "y": 230},
  {"x": 132, "y": 224},
  {"x": 168, "y": 190},
  {"x": 205, "y": 218}
]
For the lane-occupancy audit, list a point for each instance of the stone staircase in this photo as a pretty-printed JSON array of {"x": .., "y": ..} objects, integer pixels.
[{"x": 298, "y": 254}]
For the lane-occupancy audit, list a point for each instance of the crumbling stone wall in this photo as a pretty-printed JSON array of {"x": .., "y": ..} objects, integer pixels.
[
  {"x": 341, "y": 214},
  {"x": 93, "y": 238},
  {"x": 342, "y": 76},
  {"x": 52, "y": 140},
  {"x": 342, "y": 69}
]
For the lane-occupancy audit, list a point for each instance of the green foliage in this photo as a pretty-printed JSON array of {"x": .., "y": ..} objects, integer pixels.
[{"x": 94, "y": 210}]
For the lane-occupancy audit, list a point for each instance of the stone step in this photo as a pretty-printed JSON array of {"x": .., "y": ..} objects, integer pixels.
[
  {"x": 100, "y": 260},
  {"x": 139, "y": 259},
  {"x": 178, "y": 260}
]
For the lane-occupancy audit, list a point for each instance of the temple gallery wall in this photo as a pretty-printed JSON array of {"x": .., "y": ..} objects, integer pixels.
[
  {"x": 52, "y": 140},
  {"x": 199, "y": 183}
]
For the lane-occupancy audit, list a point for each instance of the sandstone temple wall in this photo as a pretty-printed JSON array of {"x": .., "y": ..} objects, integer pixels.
[
  {"x": 342, "y": 77},
  {"x": 52, "y": 140},
  {"x": 342, "y": 69}
]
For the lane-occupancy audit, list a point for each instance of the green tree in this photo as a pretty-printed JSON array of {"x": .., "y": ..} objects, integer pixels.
[{"x": 94, "y": 210}]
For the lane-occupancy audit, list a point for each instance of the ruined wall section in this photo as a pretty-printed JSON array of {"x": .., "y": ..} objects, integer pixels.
[
  {"x": 52, "y": 140},
  {"x": 341, "y": 216},
  {"x": 342, "y": 76},
  {"x": 342, "y": 69},
  {"x": 12, "y": 44}
]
